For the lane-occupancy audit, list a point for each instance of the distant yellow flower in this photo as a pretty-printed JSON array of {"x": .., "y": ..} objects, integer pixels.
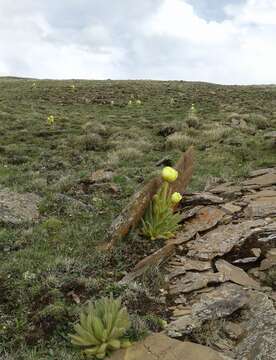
[
  {"x": 138, "y": 102},
  {"x": 50, "y": 119},
  {"x": 130, "y": 102},
  {"x": 176, "y": 198},
  {"x": 73, "y": 86},
  {"x": 169, "y": 174},
  {"x": 111, "y": 102}
]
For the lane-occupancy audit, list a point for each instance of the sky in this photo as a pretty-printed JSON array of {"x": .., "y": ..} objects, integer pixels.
[{"x": 219, "y": 41}]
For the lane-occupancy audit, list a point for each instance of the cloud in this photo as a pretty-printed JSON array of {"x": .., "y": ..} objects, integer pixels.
[{"x": 155, "y": 39}]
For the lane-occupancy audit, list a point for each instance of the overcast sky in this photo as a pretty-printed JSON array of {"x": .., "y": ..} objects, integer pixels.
[{"x": 206, "y": 40}]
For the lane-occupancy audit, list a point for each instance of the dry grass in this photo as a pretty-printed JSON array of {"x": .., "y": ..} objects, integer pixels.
[
  {"x": 193, "y": 121},
  {"x": 259, "y": 121},
  {"x": 179, "y": 141},
  {"x": 123, "y": 154},
  {"x": 217, "y": 133},
  {"x": 90, "y": 142},
  {"x": 95, "y": 127}
]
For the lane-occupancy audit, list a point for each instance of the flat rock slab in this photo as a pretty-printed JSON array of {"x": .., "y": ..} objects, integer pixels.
[
  {"x": 203, "y": 198},
  {"x": 184, "y": 264},
  {"x": 230, "y": 208},
  {"x": 261, "y": 181},
  {"x": 261, "y": 207},
  {"x": 216, "y": 304},
  {"x": 16, "y": 209},
  {"x": 195, "y": 281},
  {"x": 161, "y": 347},
  {"x": 221, "y": 240},
  {"x": 260, "y": 172},
  {"x": 221, "y": 302},
  {"x": 235, "y": 274},
  {"x": 205, "y": 218},
  {"x": 228, "y": 190},
  {"x": 268, "y": 192}
]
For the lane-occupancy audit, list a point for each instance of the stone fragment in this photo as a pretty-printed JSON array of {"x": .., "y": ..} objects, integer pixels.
[
  {"x": 269, "y": 261},
  {"x": 267, "y": 264},
  {"x": 194, "y": 281},
  {"x": 261, "y": 208},
  {"x": 181, "y": 312},
  {"x": 218, "y": 303},
  {"x": 221, "y": 240},
  {"x": 160, "y": 346},
  {"x": 256, "y": 252},
  {"x": 221, "y": 302},
  {"x": 260, "y": 329},
  {"x": 205, "y": 219},
  {"x": 230, "y": 208},
  {"x": 16, "y": 208},
  {"x": 185, "y": 264},
  {"x": 227, "y": 190},
  {"x": 261, "y": 181},
  {"x": 175, "y": 272},
  {"x": 233, "y": 330},
  {"x": 203, "y": 198},
  {"x": 267, "y": 192},
  {"x": 260, "y": 172},
  {"x": 235, "y": 274},
  {"x": 190, "y": 212},
  {"x": 263, "y": 237}
]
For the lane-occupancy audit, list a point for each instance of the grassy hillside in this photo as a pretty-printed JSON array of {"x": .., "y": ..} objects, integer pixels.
[{"x": 49, "y": 269}]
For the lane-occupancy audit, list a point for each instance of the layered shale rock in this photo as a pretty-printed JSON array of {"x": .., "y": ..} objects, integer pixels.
[{"x": 221, "y": 269}]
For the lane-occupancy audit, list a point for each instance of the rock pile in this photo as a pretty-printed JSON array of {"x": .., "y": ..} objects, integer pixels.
[
  {"x": 222, "y": 278},
  {"x": 221, "y": 271}
]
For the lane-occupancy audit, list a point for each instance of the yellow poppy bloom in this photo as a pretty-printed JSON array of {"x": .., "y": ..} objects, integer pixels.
[
  {"x": 176, "y": 198},
  {"x": 169, "y": 174},
  {"x": 50, "y": 119}
]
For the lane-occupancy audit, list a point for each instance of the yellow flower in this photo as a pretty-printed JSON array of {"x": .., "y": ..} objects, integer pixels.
[
  {"x": 176, "y": 198},
  {"x": 130, "y": 102},
  {"x": 138, "y": 102},
  {"x": 73, "y": 86},
  {"x": 169, "y": 174},
  {"x": 50, "y": 119}
]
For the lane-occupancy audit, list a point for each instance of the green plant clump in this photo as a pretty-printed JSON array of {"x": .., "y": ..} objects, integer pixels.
[
  {"x": 161, "y": 222},
  {"x": 102, "y": 327}
]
